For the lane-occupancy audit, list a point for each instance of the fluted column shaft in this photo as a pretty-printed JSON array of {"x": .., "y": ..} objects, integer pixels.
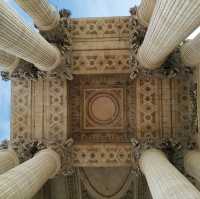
[
  {"x": 19, "y": 40},
  {"x": 8, "y": 160},
  {"x": 171, "y": 23},
  {"x": 145, "y": 11},
  {"x": 25, "y": 180},
  {"x": 8, "y": 62},
  {"x": 190, "y": 52},
  {"x": 164, "y": 180},
  {"x": 44, "y": 15},
  {"x": 192, "y": 164}
]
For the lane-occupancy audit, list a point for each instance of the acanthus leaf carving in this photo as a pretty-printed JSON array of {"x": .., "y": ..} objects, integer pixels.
[
  {"x": 171, "y": 68},
  {"x": 174, "y": 149},
  {"x": 27, "y": 148}
]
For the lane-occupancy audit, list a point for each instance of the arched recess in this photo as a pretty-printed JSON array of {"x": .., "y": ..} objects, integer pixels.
[{"x": 106, "y": 183}]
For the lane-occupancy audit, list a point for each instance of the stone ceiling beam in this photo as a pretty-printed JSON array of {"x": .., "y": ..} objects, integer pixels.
[
  {"x": 171, "y": 23},
  {"x": 145, "y": 11},
  {"x": 19, "y": 40},
  {"x": 163, "y": 179},
  {"x": 44, "y": 15}
]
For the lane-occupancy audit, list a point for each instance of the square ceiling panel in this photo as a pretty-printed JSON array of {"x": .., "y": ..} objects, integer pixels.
[{"x": 102, "y": 108}]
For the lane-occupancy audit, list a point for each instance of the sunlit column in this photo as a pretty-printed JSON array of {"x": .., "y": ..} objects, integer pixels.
[
  {"x": 192, "y": 164},
  {"x": 171, "y": 23},
  {"x": 8, "y": 160},
  {"x": 18, "y": 39},
  {"x": 190, "y": 52},
  {"x": 44, "y": 15},
  {"x": 145, "y": 11},
  {"x": 164, "y": 180},
  {"x": 8, "y": 62},
  {"x": 25, "y": 180}
]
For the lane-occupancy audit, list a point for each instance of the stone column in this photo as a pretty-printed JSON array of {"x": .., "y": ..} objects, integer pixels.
[
  {"x": 172, "y": 21},
  {"x": 8, "y": 62},
  {"x": 145, "y": 11},
  {"x": 164, "y": 180},
  {"x": 8, "y": 160},
  {"x": 25, "y": 180},
  {"x": 190, "y": 52},
  {"x": 192, "y": 164},
  {"x": 44, "y": 15},
  {"x": 19, "y": 40}
]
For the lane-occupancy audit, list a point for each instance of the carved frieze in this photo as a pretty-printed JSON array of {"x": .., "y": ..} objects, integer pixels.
[
  {"x": 73, "y": 155},
  {"x": 55, "y": 112},
  {"x": 103, "y": 155},
  {"x": 39, "y": 108},
  {"x": 99, "y": 62},
  {"x": 21, "y": 109},
  {"x": 140, "y": 108},
  {"x": 100, "y": 45},
  {"x": 109, "y": 27},
  {"x": 108, "y": 34},
  {"x": 148, "y": 108}
]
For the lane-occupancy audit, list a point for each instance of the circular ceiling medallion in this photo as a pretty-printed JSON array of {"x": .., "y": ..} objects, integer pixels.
[{"x": 103, "y": 108}]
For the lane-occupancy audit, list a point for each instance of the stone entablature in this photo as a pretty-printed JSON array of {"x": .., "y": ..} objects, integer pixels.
[
  {"x": 109, "y": 113},
  {"x": 143, "y": 109},
  {"x": 149, "y": 107},
  {"x": 97, "y": 46},
  {"x": 100, "y": 45},
  {"x": 103, "y": 155},
  {"x": 88, "y": 46},
  {"x": 77, "y": 155},
  {"x": 100, "y": 28}
]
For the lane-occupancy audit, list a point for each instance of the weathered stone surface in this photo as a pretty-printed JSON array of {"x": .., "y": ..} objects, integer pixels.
[
  {"x": 20, "y": 40},
  {"x": 167, "y": 29},
  {"x": 163, "y": 179},
  {"x": 44, "y": 15}
]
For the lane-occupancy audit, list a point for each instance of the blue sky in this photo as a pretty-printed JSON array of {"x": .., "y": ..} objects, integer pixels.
[{"x": 79, "y": 8}]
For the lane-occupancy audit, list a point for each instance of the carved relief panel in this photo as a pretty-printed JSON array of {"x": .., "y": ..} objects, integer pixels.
[
  {"x": 39, "y": 109},
  {"x": 101, "y": 109},
  {"x": 100, "y": 45},
  {"x": 182, "y": 107},
  {"x": 21, "y": 109},
  {"x": 98, "y": 109},
  {"x": 164, "y": 108},
  {"x": 108, "y": 27},
  {"x": 148, "y": 108},
  {"x": 55, "y": 113}
]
